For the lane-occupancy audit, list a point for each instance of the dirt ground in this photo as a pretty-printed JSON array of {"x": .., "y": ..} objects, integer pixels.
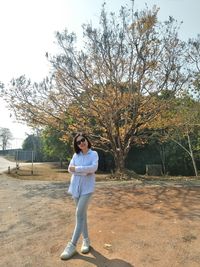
[{"x": 131, "y": 223}]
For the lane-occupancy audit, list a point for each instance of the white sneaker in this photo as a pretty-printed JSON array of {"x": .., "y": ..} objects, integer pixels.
[
  {"x": 68, "y": 252},
  {"x": 85, "y": 246}
]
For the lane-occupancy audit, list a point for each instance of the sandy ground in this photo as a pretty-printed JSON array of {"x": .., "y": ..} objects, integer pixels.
[{"x": 131, "y": 224}]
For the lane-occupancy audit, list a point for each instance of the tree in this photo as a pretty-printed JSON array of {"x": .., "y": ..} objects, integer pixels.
[
  {"x": 53, "y": 145},
  {"x": 5, "y": 137},
  {"x": 194, "y": 58},
  {"x": 190, "y": 125},
  {"x": 110, "y": 87},
  {"x": 186, "y": 111},
  {"x": 33, "y": 143},
  {"x": 181, "y": 125}
]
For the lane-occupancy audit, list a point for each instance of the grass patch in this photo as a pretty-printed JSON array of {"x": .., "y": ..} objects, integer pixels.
[
  {"x": 53, "y": 172},
  {"x": 46, "y": 172}
]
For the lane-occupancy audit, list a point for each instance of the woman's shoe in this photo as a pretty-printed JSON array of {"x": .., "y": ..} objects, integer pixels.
[
  {"x": 68, "y": 252},
  {"x": 85, "y": 248}
]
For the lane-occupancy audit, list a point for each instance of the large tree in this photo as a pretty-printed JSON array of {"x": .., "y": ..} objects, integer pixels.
[{"x": 110, "y": 87}]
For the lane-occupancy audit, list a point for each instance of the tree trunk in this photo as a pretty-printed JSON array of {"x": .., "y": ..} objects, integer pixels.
[
  {"x": 61, "y": 162},
  {"x": 162, "y": 157},
  {"x": 119, "y": 158},
  {"x": 190, "y": 152},
  {"x": 192, "y": 155}
]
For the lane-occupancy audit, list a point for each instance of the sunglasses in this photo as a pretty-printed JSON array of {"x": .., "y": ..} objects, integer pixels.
[{"x": 82, "y": 140}]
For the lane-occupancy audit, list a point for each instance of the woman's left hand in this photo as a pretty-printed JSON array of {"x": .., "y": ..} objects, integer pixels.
[{"x": 72, "y": 168}]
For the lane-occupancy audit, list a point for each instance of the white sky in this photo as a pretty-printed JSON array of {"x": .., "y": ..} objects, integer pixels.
[{"x": 27, "y": 32}]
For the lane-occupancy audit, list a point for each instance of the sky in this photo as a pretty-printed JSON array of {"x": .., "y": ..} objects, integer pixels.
[{"x": 27, "y": 32}]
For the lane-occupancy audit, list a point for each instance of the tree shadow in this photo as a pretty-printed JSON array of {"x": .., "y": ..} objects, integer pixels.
[
  {"x": 168, "y": 201},
  {"x": 100, "y": 260},
  {"x": 54, "y": 190}
]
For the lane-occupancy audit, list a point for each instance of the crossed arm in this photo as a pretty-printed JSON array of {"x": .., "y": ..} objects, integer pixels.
[{"x": 83, "y": 170}]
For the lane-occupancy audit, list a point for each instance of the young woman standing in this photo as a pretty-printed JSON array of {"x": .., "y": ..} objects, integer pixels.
[{"x": 83, "y": 166}]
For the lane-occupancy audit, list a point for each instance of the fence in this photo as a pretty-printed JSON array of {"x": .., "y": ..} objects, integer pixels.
[{"x": 20, "y": 154}]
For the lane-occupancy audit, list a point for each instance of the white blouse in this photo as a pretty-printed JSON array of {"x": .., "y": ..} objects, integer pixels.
[{"x": 83, "y": 179}]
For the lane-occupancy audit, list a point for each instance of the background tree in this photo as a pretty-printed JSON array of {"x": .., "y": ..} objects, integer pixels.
[
  {"x": 33, "y": 143},
  {"x": 188, "y": 128},
  {"x": 5, "y": 138},
  {"x": 54, "y": 147},
  {"x": 194, "y": 58},
  {"x": 108, "y": 88},
  {"x": 181, "y": 125}
]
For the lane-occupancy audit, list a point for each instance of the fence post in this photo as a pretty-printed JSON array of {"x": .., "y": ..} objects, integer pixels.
[
  {"x": 32, "y": 163},
  {"x": 17, "y": 165}
]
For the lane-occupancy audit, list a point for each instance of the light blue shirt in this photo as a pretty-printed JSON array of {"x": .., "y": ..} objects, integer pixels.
[{"x": 83, "y": 179}]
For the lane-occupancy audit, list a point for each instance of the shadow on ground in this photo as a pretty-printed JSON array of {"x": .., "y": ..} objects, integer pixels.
[
  {"x": 154, "y": 199},
  {"x": 56, "y": 190},
  {"x": 101, "y": 261}
]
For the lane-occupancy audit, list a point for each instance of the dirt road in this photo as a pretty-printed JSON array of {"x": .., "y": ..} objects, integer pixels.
[
  {"x": 4, "y": 164},
  {"x": 130, "y": 225}
]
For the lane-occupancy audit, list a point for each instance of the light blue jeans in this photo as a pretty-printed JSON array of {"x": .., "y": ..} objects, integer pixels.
[{"x": 81, "y": 218}]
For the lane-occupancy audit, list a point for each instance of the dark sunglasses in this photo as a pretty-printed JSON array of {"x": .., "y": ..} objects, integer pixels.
[{"x": 82, "y": 140}]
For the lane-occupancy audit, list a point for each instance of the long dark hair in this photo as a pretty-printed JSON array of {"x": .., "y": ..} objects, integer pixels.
[{"x": 76, "y": 147}]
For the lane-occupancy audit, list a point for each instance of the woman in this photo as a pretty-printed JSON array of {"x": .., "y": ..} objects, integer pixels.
[{"x": 82, "y": 166}]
